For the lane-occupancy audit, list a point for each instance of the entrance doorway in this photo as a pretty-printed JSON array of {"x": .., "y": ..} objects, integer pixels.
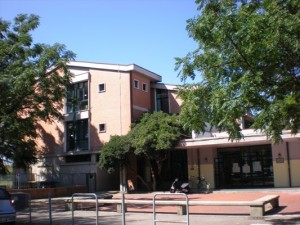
[
  {"x": 244, "y": 167},
  {"x": 178, "y": 159}
]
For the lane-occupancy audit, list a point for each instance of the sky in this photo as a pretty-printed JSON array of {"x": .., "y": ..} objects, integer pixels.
[{"x": 149, "y": 33}]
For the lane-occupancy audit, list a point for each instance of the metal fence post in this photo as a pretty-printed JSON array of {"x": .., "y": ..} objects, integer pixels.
[
  {"x": 187, "y": 221},
  {"x": 87, "y": 195},
  {"x": 123, "y": 209},
  {"x": 50, "y": 209},
  {"x": 18, "y": 180}
]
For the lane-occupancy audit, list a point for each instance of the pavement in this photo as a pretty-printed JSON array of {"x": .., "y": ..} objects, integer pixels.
[{"x": 287, "y": 214}]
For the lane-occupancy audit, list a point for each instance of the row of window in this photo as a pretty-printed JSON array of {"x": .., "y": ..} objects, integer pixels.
[
  {"x": 136, "y": 85},
  {"x": 78, "y": 95}
]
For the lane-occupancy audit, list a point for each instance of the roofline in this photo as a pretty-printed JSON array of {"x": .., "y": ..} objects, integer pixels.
[
  {"x": 117, "y": 67},
  {"x": 171, "y": 87},
  {"x": 223, "y": 141}
]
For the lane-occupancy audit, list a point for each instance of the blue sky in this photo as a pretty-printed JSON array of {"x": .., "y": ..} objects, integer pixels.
[{"x": 149, "y": 33}]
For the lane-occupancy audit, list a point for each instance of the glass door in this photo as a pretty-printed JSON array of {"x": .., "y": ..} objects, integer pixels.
[{"x": 244, "y": 167}]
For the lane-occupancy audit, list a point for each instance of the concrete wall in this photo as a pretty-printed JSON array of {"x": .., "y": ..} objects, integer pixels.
[
  {"x": 175, "y": 102},
  {"x": 141, "y": 100},
  {"x": 286, "y": 173},
  {"x": 111, "y": 107},
  {"x": 206, "y": 163}
]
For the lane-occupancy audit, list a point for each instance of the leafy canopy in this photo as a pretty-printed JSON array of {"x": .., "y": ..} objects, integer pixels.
[
  {"x": 152, "y": 135},
  {"x": 31, "y": 86},
  {"x": 248, "y": 60},
  {"x": 115, "y": 153},
  {"x": 155, "y": 132}
]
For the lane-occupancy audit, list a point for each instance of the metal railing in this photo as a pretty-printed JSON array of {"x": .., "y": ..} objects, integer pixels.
[
  {"x": 85, "y": 195},
  {"x": 187, "y": 221}
]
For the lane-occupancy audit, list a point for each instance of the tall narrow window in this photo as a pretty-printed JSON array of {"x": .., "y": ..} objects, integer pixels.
[
  {"x": 77, "y": 135},
  {"x": 136, "y": 84},
  {"x": 77, "y": 97},
  {"x": 145, "y": 87},
  {"x": 162, "y": 100}
]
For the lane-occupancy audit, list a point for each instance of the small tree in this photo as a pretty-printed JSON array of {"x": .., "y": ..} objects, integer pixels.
[
  {"x": 32, "y": 88},
  {"x": 151, "y": 138},
  {"x": 115, "y": 153}
]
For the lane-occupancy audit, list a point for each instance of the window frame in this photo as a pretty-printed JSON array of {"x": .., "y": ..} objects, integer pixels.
[
  {"x": 104, "y": 87},
  {"x": 102, "y": 130},
  {"x": 145, "y": 87},
  {"x": 77, "y": 135},
  {"x": 77, "y": 97},
  {"x": 136, "y": 84}
]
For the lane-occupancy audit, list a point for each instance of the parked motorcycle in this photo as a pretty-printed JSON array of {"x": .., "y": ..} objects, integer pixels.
[{"x": 176, "y": 187}]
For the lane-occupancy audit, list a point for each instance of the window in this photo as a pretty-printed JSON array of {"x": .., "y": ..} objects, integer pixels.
[
  {"x": 162, "y": 100},
  {"x": 136, "y": 84},
  {"x": 102, "y": 128},
  {"x": 77, "y": 135},
  {"x": 145, "y": 87},
  {"x": 101, "y": 87},
  {"x": 77, "y": 97}
]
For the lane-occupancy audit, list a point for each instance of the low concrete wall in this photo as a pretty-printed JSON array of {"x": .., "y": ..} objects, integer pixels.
[{"x": 37, "y": 193}]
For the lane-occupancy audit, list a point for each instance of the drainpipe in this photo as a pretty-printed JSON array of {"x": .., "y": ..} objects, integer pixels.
[{"x": 289, "y": 164}]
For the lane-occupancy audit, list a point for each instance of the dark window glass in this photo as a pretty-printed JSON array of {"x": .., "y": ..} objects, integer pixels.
[
  {"x": 77, "y": 135},
  {"x": 101, "y": 87},
  {"x": 136, "y": 84},
  {"x": 77, "y": 97},
  {"x": 102, "y": 127},
  {"x": 162, "y": 100},
  {"x": 145, "y": 87}
]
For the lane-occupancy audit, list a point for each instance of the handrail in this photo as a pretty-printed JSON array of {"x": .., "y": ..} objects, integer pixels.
[
  {"x": 85, "y": 195},
  {"x": 155, "y": 220}
]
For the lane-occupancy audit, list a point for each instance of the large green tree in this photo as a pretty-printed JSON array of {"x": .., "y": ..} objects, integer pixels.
[
  {"x": 247, "y": 61},
  {"x": 33, "y": 80}
]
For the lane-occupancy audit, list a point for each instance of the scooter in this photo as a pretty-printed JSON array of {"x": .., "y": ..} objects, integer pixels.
[{"x": 177, "y": 188}]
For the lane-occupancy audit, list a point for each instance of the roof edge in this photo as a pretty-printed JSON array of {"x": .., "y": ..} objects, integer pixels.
[{"x": 116, "y": 67}]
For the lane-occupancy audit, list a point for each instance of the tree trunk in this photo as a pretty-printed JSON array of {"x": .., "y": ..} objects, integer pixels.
[
  {"x": 144, "y": 183},
  {"x": 153, "y": 179}
]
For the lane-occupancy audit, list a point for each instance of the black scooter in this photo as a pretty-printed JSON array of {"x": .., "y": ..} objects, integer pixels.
[{"x": 176, "y": 187}]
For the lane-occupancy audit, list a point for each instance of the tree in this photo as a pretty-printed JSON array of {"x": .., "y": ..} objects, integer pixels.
[
  {"x": 115, "y": 153},
  {"x": 248, "y": 59},
  {"x": 151, "y": 138},
  {"x": 33, "y": 80}
]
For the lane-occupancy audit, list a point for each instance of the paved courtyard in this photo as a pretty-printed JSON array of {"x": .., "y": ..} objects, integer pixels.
[{"x": 288, "y": 213}]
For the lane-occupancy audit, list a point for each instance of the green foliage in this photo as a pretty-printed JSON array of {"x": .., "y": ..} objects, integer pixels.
[
  {"x": 31, "y": 87},
  {"x": 150, "y": 138},
  {"x": 248, "y": 58},
  {"x": 155, "y": 132},
  {"x": 114, "y": 153}
]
